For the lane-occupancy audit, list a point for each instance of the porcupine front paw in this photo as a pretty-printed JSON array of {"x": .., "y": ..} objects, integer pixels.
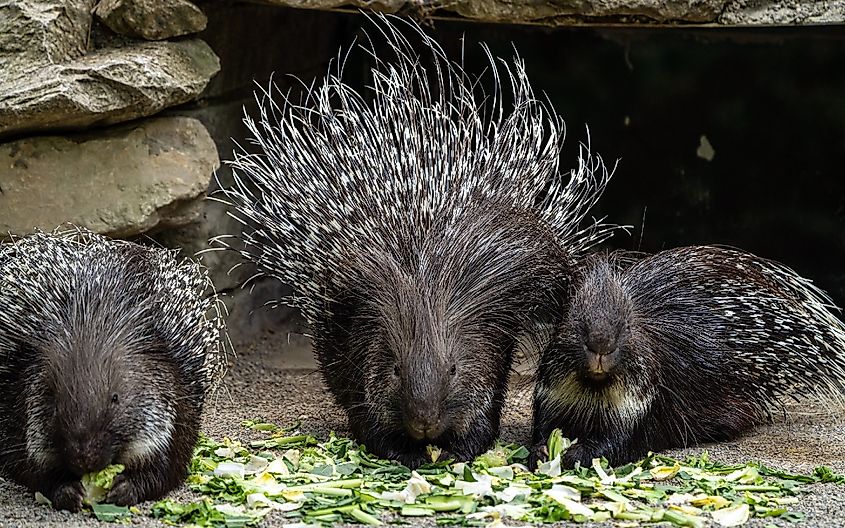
[
  {"x": 466, "y": 448},
  {"x": 582, "y": 452},
  {"x": 411, "y": 459},
  {"x": 68, "y": 496},
  {"x": 125, "y": 491},
  {"x": 539, "y": 453}
]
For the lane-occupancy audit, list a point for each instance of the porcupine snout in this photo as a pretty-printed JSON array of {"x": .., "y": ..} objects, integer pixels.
[
  {"x": 426, "y": 392},
  {"x": 602, "y": 354},
  {"x": 86, "y": 451},
  {"x": 424, "y": 422}
]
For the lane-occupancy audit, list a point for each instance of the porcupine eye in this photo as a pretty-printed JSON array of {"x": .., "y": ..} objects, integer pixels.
[
  {"x": 396, "y": 370},
  {"x": 453, "y": 370},
  {"x": 114, "y": 398}
]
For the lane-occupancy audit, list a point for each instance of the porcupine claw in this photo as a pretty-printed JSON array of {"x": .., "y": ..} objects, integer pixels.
[
  {"x": 539, "y": 453},
  {"x": 68, "y": 496},
  {"x": 582, "y": 452},
  {"x": 411, "y": 459},
  {"x": 126, "y": 491}
]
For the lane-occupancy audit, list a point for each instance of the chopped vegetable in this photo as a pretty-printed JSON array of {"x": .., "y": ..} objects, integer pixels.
[
  {"x": 557, "y": 444},
  {"x": 97, "y": 485},
  {"x": 733, "y": 516},
  {"x": 110, "y": 512},
  {"x": 313, "y": 483}
]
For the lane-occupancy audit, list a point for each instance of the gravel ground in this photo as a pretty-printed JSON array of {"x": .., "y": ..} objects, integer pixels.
[{"x": 278, "y": 382}]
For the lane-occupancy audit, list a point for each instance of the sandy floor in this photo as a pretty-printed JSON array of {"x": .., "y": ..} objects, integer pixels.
[{"x": 276, "y": 380}]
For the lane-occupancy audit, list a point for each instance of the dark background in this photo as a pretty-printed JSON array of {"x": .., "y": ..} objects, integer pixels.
[{"x": 770, "y": 101}]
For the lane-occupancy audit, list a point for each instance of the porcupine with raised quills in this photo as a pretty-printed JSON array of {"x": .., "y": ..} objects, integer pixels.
[
  {"x": 420, "y": 231},
  {"x": 689, "y": 345},
  {"x": 107, "y": 352}
]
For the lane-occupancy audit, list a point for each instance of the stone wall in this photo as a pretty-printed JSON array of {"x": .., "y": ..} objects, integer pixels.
[{"x": 76, "y": 105}]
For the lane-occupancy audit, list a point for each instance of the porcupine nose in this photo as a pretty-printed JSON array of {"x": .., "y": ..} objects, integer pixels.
[
  {"x": 85, "y": 454},
  {"x": 602, "y": 354},
  {"x": 424, "y": 424}
]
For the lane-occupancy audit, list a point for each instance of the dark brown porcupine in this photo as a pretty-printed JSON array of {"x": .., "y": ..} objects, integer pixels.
[
  {"x": 420, "y": 231},
  {"x": 107, "y": 352},
  {"x": 689, "y": 345}
]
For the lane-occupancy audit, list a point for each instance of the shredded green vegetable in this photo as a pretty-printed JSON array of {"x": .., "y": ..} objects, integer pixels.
[
  {"x": 321, "y": 483},
  {"x": 112, "y": 513},
  {"x": 337, "y": 481},
  {"x": 97, "y": 485}
]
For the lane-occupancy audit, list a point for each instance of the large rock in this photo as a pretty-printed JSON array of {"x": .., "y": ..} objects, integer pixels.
[
  {"x": 548, "y": 11},
  {"x": 551, "y": 12},
  {"x": 151, "y": 19},
  {"x": 119, "y": 182},
  {"x": 569, "y": 12},
  {"x": 34, "y": 33},
  {"x": 766, "y": 12},
  {"x": 107, "y": 86}
]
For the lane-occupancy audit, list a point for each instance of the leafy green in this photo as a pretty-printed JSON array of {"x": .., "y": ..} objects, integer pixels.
[
  {"x": 555, "y": 444},
  {"x": 97, "y": 485},
  {"x": 293, "y": 475},
  {"x": 110, "y": 512},
  {"x": 825, "y": 474}
]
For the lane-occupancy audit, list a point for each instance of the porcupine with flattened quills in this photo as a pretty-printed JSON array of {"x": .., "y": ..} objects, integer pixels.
[
  {"x": 420, "y": 231},
  {"x": 689, "y": 345},
  {"x": 107, "y": 352}
]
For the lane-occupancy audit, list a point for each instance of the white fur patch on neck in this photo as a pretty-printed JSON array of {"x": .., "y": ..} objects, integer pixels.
[
  {"x": 619, "y": 403},
  {"x": 153, "y": 439}
]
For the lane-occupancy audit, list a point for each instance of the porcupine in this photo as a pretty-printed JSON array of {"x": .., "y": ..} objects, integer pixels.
[
  {"x": 419, "y": 234},
  {"x": 689, "y": 345},
  {"x": 107, "y": 352}
]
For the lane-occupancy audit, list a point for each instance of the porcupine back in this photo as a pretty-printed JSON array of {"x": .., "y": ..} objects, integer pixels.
[
  {"x": 778, "y": 328},
  {"x": 47, "y": 268},
  {"x": 337, "y": 176}
]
